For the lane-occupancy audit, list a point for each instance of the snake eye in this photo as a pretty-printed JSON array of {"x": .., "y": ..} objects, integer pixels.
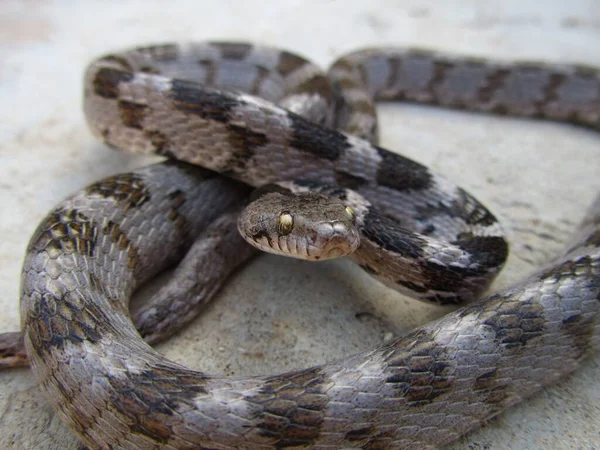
[
  {"x": 285, "y": 224},
  {"x": 350, "y": 211}
]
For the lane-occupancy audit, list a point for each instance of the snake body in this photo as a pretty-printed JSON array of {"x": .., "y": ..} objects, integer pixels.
[{"x": 420, "y": 391}]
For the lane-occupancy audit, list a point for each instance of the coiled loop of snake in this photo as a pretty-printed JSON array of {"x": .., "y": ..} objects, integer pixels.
[{"x": 419, "y": 391}]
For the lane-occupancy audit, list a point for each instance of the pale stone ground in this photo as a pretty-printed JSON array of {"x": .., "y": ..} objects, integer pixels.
[{"x": 279, "y": 314}]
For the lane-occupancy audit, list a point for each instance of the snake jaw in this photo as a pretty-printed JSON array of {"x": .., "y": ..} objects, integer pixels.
[{"x": 325, "y": 241}]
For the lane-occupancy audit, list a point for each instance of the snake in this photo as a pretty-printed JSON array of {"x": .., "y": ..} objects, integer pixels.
[{"x": 258, "y": 115}]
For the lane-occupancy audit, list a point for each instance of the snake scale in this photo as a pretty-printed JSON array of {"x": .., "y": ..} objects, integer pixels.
[{"x": 419, "y": 391}]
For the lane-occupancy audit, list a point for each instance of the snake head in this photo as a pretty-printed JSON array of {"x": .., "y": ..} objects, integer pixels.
[{"x": 303, "y": 225}]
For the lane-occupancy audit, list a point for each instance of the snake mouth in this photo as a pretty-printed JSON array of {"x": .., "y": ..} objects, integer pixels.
[
  {"x": 326, "y": 241},
  {"x": 336, "y": 248}
]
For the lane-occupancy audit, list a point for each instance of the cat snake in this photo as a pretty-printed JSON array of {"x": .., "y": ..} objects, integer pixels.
[{"x": 260, "y": 115}]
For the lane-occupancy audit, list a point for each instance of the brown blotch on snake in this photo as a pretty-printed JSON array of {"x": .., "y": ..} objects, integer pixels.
[
  {"x": 208, "y": 105},
  {"x": 159, "y": 141},
  {"x": 288, "y": 63},
  {"x": 120, "y": 239},
  {"x": 126, "y": 189},
  {"x": 132, "y": 114},
  {"x": 234, "y": 50},
  {"x": 245, "y": 140},
  {"x": 106, "y": 82},
  {"x": 66, "y": 231}
]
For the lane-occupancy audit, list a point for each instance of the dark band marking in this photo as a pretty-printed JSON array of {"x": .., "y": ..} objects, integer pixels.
[
  {"x": 439, "y": 76},
  {"x": 363, "y": 74},
  {"x": 567, "y": 269},
  {"x": 291, "y": 408},
  {"x": 262, "y": 74},
  {"x": 419, "y": 369},
  {"x": 322, "y": 142},
  {"x": 580, "y": 327},
  {"x": 63, "y": 315},
  {"x": 244, "y": 142},
  {"x": 582, "y": 330},
  {"x": 493, "y": 81},
  {"x": 348, "y": 180},
  {"x": 316, "y": 85},
  {"x": 49, "y": 329},
  {"x": 586, "y": 71},
  {"x": 486, "y": 380},
  {"x": 383, "y": 440},
  {"x": 159, "y": 390},
  {"x": 472, "y": 211},
  {"x": 150, "y": 70},
  {"x": 388, "y": 235},
  {"x": 204, "y": 102},
  {"x": 492, "y": 389},
  {"x": 161, "y": 53},
  {"x": 500, "y": 109},
  {"x": 333, "y": 191},
  {"x": 160, "y": 142},
  {"x": 177, "y": 199},
  {"x": 128, "y": 189},
  {"x": 66, "y": 232},
  {"x": 288, "y": 62},
  {"x": 363, "y": 106},
  {"x": 401, "y": 173},
  {"x": 233, "y": 50},
  {"x": 555, "y": 81},
  {"x": 346, "y": 84},
  {"x": 360, "y": 434},
  {"x": 395, "y": 65},
  {"x": 442, "y": 278},
  {"x": 343, "y": 65},
  {"x": 132, "y": 114},
  {"x": 120, "y": 239},
  {"x": 125, "y": 65},
  {"x": 106, "y": 82},
  {"x": 515, "y": 323},
  {"x": 489, "y": 251},
  {"x": 433, "y": 210},
  {"x": 210, "y": 66}
]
